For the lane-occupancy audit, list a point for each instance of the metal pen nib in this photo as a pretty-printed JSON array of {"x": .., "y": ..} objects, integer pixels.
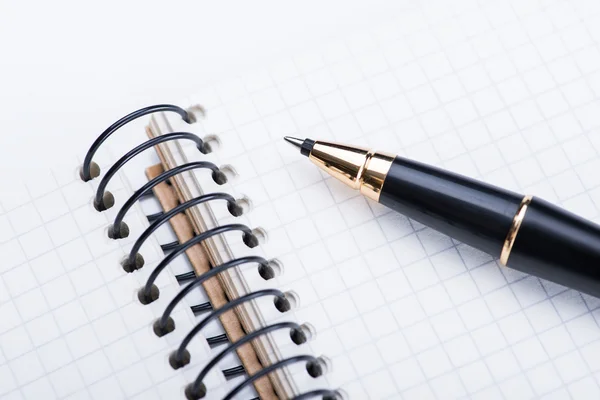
[
  {"x": 295, "y": 141},
  {"x": 305, "y": 145},
  {"x": 356, "y": 167}
]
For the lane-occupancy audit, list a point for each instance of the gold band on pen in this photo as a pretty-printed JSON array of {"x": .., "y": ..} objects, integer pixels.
[
  {"x": 373, "y": 174},
  {"x": 357, "y": 167},
  {"x": 514, "y": 229}
]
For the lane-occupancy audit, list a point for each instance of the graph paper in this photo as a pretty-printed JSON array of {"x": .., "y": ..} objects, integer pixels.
[
  {"x": 505, "y": 92},
  {"x": 71, "y": 325}
]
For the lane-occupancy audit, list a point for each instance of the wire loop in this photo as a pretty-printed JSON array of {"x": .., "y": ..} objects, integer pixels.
[
  {"x": 153, "y": 217},
  {"x": 312, "y": 366},
  {"x": 160, "y": 326},
  {"x": 327, "y": 394},
  {"x": 149, "y": 292},
  {"x": 167, "y": 247},
  {"x": 99, "y": 198},
  {"x": 218, "y": 177},
  {"x": 197, "y": 389},
  {"x": 234, "y": 371},
  {"x": 86, "y": 169},
  {"x": 201, "y": 308},
  {"x": 130, "y": 262},
  {"x": 217, "y": 340},
  {"x": 180, "y": 357}
]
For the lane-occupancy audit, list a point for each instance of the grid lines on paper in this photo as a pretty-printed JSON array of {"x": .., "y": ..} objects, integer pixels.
[
  {"x": 41, "y": 325},
  {"x": 402, "y": 310},
  {"x": 69, "y": 327}
]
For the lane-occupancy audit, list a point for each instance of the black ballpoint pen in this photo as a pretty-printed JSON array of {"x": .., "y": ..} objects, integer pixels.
[{"x": 526, "y": 233}]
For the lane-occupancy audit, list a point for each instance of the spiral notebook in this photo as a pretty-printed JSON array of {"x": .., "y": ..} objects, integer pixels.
[{"x": 374, "y": 305}]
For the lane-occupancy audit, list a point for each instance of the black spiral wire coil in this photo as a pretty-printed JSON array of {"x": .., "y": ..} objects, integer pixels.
[{"x": 103, "y": 200}]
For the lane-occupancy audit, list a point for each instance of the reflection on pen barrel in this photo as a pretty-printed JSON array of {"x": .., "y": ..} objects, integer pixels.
[{"x": 523, "y": 232}]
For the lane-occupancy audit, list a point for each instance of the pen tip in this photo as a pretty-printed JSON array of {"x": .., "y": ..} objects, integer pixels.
[
  {"x": 294, "y": 141},
  {"x": 305, "y": 145}
]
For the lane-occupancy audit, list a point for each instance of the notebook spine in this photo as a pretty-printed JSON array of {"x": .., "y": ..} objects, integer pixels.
[{"x": 103, "y": 200}]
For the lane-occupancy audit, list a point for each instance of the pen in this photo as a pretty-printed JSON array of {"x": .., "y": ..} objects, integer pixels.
[{"x": 526, "y": 233}]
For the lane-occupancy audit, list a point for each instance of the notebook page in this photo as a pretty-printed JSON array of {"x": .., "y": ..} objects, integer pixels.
[
  {"x": 504, "y": 92},
  {"x": 71, "y": 325}
]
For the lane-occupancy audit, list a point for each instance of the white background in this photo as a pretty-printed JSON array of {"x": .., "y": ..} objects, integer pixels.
[
  {"x": 69, "y": 68},
  {"x": 504, "y": 91}
]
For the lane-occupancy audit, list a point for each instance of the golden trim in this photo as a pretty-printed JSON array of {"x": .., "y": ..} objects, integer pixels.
[
  {"x": 357, "y": 167},
  {"x": 514, "y": 229},
  {"x": 377, "y": 165},
  {"x": 364, "y": 166}
]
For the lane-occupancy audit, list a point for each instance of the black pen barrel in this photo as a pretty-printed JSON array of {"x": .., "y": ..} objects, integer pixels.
[
  {"x": 549, "y": 242},
  {"x": 559, "y": 246},
  {"x": 468, "y": 210}
]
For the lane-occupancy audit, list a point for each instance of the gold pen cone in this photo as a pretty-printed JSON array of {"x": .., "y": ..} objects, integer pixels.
[{"x": 357, "y": 167}]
